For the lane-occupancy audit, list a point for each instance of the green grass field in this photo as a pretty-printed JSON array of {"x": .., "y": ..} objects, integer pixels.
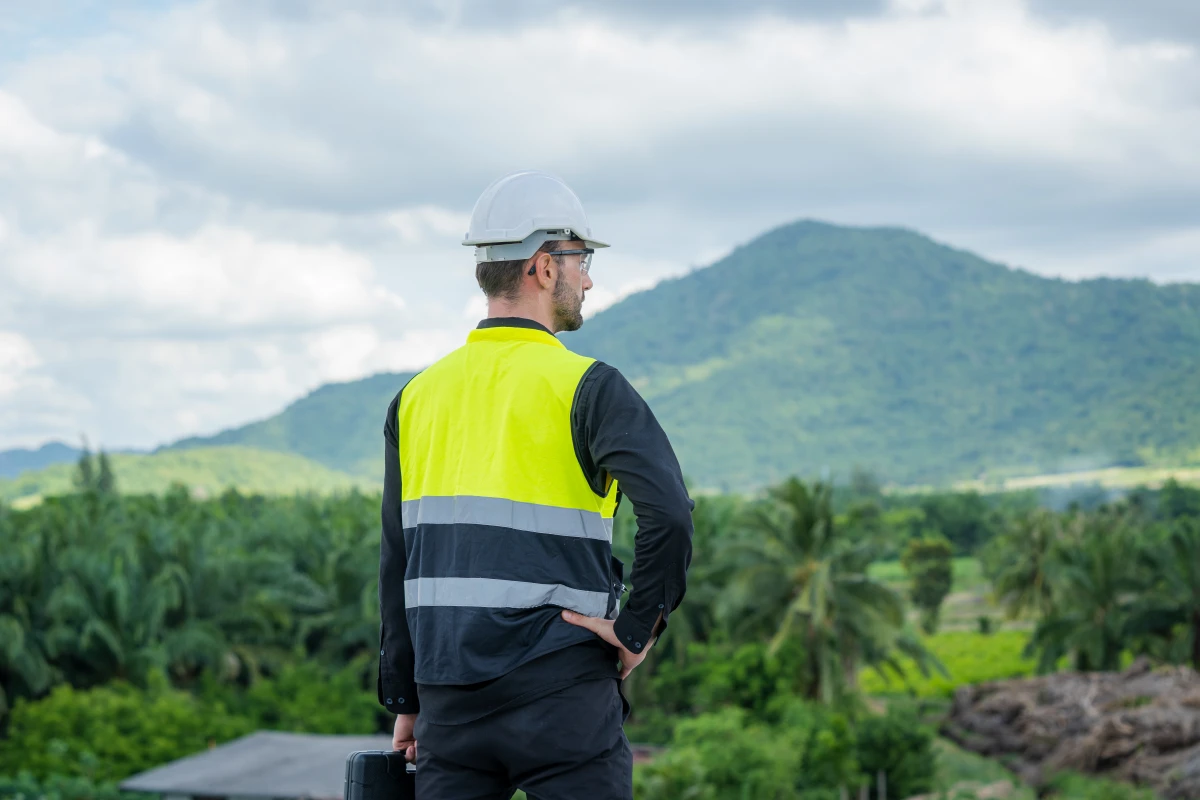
[{"x": 969, "y": 657}]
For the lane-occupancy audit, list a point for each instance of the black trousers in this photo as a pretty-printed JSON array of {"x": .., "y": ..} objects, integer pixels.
[{"x": 569, "y": 745}]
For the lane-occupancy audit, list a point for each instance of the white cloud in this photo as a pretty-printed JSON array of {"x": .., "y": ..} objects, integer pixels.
[
  {"x": 216, "y": 280},
  {"x": 1175, "y": 254},
  {"x": 220, "y": 206},
  {"x": 350, "y": 352},
  {"x": 370, "y": 110},
  {"x": 415, "y": 225},
  {"x": 16, "y": 357}
]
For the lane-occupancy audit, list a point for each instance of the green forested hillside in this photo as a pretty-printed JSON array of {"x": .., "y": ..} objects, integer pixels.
[
  {"x": 339, "y": 425},
  {"x": 817, "y": 347},
  {"x": 208, "y": 470}
]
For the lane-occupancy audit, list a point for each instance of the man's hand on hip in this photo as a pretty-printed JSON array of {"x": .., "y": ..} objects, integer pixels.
[
  {"x": 604, "y": 629},
  {"x": 402, "y": 736}
]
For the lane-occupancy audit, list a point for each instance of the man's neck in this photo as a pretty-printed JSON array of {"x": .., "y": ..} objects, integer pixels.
[{"x": 502, "y": 308}]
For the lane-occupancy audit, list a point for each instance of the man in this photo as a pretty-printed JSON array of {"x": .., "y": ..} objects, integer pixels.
[{"x": 501, "y": 645}]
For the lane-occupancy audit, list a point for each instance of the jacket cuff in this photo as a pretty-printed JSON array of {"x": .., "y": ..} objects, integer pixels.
[
  {"x": 397, "y": 696},
  {"x": 635, "y": 629}
]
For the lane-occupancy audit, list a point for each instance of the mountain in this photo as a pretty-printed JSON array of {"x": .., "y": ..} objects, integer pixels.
[
  {"x": 14, "y": 462},
  {"x": 817, "y": 348},
  {"x": 339, "y": 425},
  {"x": 207, "y": 470},
  {"x": 820, "y": 347}
]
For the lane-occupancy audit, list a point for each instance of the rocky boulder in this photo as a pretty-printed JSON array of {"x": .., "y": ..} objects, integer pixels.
[{"x": 1141, "y": 725}]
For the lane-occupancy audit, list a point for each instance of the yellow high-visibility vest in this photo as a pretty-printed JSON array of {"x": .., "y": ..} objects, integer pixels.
[{"x": 502, "y": 529}]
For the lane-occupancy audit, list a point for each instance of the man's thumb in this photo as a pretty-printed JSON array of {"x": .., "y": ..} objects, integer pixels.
[{"x": 578, "y": 619}]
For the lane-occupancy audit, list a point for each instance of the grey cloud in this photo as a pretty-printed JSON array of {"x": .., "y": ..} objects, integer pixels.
[
  {"x": 367, "y": 144},
  {"x": 1170, "y": 19},
  {"x": 518, "y": 13},
  {"x": 1177, "y": 20}
]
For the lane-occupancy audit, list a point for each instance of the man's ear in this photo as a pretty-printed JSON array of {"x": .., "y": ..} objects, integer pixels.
[{"x": 539, "y": 265}]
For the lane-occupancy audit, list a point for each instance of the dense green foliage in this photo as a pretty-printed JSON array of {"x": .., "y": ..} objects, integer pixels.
[
  {"x": 816, "y": 347},
  {"x": 96, "y": 587},
  {"x": 136, "y": 629},
  {"x": 262, "y": 612},
  {"x": 111, "y": 732},
  {"x": 1122, "y": 579},
  {"x": 61, "y": 787},
  {"x": 797, "y": 576},
  {"x": 809, "y": 754},
  {"x": 208, "y": 470}
]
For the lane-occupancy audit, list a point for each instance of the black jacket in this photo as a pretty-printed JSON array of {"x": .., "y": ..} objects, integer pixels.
[{"x": 614, "y": 432}]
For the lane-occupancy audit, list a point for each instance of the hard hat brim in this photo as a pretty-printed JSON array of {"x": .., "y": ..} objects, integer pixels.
[{"x": 513, "y": 238}]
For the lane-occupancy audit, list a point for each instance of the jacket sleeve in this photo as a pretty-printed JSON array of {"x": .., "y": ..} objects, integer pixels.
[
  {"x": 616, "y": 434},
  {"x": 396, "y": 685}
]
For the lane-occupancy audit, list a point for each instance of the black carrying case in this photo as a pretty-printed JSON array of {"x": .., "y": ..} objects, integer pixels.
[{"x": 379, "y": 775}]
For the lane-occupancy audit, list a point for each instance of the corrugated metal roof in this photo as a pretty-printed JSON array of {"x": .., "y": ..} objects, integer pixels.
[{"x": 264, "y": 764}]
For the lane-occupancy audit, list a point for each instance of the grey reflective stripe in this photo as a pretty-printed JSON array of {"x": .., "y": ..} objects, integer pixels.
[
  {"x": 491, "y": 593},
  {"x": 502, "y": 513}
]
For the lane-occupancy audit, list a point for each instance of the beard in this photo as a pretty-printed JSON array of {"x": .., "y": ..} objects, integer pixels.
[{"x": 568, "y": 307}]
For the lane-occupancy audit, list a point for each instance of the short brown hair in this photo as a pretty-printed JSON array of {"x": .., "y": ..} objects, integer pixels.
[{"x": 503, "y": 278}]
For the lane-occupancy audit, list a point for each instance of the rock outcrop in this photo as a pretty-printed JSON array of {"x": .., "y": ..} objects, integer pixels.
[{"x": 1141, "y": 725}]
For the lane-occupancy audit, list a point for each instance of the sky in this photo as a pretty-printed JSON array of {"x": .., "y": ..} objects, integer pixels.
[{"x": 208, "y": 209}]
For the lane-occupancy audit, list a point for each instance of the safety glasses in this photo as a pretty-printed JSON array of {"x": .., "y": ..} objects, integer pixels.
[{"x": 585, "y": 257}]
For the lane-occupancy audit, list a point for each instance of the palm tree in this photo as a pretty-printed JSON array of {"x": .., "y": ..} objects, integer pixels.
[
  {"x": 110, "y": 613},
  {"x": 1016, "y": 562},
  {"x": 26, "y": 576},
  {"x": 1174, "y": 602},
  {"x": 796, "y": 577},
  {"x": 1094, "y": 581}
]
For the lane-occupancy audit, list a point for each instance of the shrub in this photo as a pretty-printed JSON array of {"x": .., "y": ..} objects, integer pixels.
[
  {"x": 724, "y": 754},
  {"x": 929, "y": 567},
  {"x": 750, "y": 678},
  {"x": 827, "y": 747},
  {"x": 112, "y": 732},
  {"x": 718, "y": 674},
  {"x": 59, "y": 787},
  {"x": 898, "y": 745},
  {"x": 739, "y": 757},
  {"x": 307, "y": 698},
  {"x": 811, "y": 754}
]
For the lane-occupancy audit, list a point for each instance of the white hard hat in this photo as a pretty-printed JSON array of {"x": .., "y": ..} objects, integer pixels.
[{"x": 520, "y": 212}]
